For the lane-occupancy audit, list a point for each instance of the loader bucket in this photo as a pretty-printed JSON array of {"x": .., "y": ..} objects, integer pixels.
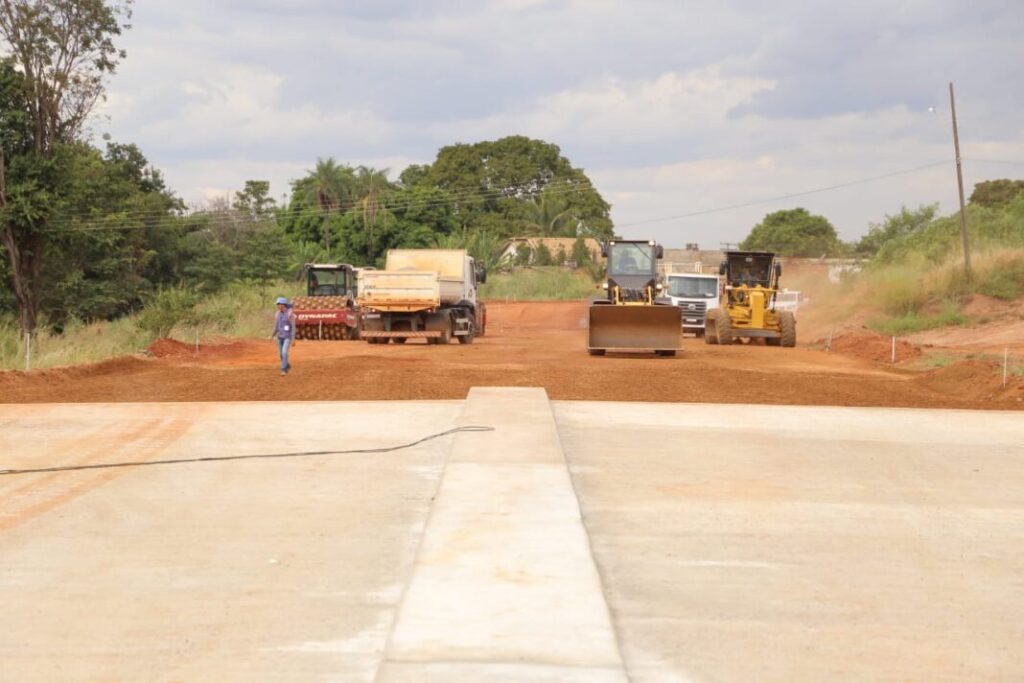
[{"x": 634, "y": 328}]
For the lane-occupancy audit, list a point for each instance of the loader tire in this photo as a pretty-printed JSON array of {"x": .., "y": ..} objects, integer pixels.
[
  {"x": 787, "y": 328},
  {"x": 710, "y": 332},
  {"x": 723, "y": 328}
]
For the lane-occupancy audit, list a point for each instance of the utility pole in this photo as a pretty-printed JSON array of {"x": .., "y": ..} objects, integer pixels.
[{"x": 960, "y": 185}]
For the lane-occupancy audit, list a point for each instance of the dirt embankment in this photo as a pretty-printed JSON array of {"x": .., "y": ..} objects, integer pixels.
[{"x": 528, "y": 344}]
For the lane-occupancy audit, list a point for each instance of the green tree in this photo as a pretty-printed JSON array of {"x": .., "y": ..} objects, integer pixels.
[
  {"x": 500, "y": 178},
  {"x": 370, "y": 184},
  {"x": 794, "y": 232},
  {"x": 580, "y": 254},
  {"x": 61, "y": 51},
  {"x": 548, "y": 214},
  {"x": 523, "y": 254},
  {"x": 895, "y": 227},
  {"x": 542, "y": 256},
  {"x": 255, "y": 200},
  {"x": 996, "y": 194},
  {"x": 328, "y": 187}
]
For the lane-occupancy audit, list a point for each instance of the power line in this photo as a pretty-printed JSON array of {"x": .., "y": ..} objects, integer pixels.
[
  {"x": 769, "y": 200},
  {"x": 995, "y": 161}
]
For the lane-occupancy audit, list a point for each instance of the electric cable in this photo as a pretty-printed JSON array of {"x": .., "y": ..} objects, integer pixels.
[
  {"x": 222, "y": 458},
  {"x": 769, "y": 200}
]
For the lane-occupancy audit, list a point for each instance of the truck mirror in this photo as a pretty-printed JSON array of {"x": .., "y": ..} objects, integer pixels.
[
  {"x": 659, "y": 252},
  {"x": 778, "y": 270},
  {"x": 722, "y": 267},
  {"x": 604, "y": 250},
  {"x": 481, "y": 275}
]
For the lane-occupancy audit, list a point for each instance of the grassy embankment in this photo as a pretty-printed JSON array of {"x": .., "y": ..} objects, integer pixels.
[
  {"x": 238, "y": 311},
  {"x": 539, "y": 284},
  {"x": 914, "y": 296}
]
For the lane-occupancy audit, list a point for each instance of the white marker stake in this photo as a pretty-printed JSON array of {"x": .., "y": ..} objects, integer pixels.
[
  {"x": 28, "y": 351},
  {"x": 1006, "y": 352},
  {"x": 197, "y": 341},
  {"x": 894, "y": 348}
]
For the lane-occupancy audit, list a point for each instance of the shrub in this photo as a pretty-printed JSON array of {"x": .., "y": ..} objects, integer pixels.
[{"x": 165, "y": 309}]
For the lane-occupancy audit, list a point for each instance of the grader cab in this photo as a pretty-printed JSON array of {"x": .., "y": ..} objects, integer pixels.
[{"x": 751, "y": 286}]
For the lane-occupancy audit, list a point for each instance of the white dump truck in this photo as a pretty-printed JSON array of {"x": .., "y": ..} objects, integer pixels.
[
  {"x": 426, "y": 294},
  {"x": 695, "y": 294}
]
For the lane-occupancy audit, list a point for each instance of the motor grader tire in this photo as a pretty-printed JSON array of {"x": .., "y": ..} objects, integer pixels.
[
  {"x": 710, "y": 329},
  {"x": 787, "y": 328},
  {"x": 465, "y": 338},
  {"x": 723, "y": 328}
]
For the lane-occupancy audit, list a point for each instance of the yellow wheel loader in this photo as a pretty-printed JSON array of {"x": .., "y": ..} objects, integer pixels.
[
  {"x": 751, "y": 281},
  {"x": 633, "y": 316}
]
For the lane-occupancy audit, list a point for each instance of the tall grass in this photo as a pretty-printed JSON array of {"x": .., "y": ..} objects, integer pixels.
[
  {"x": 240, "y": 310},
  {"x": 917, "y": 294},
  {"x": 538, "y": 283}
]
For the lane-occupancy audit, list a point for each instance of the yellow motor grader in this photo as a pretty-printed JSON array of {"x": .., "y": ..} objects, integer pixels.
[
  {"x": 751, "y": 285},
  {"x": 633, "y": 316}
]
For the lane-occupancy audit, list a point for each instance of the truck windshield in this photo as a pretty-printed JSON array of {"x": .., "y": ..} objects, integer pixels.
[
  {"x": 625, "y": 258},
  {"x": 693, "y": 287}
]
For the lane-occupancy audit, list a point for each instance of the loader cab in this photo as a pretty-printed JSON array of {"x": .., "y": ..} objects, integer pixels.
[
  {"x": 330, "y": 279},
  {"x": 632, "y": 258}
]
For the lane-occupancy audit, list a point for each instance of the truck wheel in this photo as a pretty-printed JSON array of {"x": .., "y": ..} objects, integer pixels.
[
  {"x": 595, "y": 352},
  {"x": 787, "y": 328},
  {"x": 400, "y": 340},
  {"x": 446, "y": 333},
  {"x": 723, "y": 328}
]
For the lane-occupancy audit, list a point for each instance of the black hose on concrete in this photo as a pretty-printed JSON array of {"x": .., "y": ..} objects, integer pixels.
[{"x": 305, "y": 454}]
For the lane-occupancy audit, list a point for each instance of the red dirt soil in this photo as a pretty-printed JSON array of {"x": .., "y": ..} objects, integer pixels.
[
  {"x": 870, "y": 346},
  {"x": 527, "y": 344}
]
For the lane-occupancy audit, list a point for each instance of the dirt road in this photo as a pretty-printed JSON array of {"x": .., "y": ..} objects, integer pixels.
[{"x": 527, "y": 344}]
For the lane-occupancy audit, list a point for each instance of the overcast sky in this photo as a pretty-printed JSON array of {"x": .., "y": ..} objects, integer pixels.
[{"x": 670, "y": 107}]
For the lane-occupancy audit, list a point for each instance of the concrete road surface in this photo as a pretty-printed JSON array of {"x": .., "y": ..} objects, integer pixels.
[{"x": 577, "y": 541}]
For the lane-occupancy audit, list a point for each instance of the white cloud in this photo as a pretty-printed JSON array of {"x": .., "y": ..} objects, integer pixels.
[{"x": 670, "y": 106}]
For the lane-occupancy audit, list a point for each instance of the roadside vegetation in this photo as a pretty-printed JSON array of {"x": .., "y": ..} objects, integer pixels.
[
  {"x": 540, "y": 283},
  {"x": 237, "y": 311}
]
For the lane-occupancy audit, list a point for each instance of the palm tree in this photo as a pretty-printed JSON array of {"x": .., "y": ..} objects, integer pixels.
[
  {"x": 370, "y": 183},
  {"x": 329, "y": 187},
  {"x": 548, "y": 215}
]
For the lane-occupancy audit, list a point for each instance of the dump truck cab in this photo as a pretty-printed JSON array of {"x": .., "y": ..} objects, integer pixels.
[
  {"x": 695, "y": 294},
  {"x": 748, "y": 303},
  {"x": 633, "y": 315},
  {"x": 329, "y": 310}
]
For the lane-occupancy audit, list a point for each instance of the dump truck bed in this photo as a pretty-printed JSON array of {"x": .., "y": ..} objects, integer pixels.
[{"x": 400, "y": 291}]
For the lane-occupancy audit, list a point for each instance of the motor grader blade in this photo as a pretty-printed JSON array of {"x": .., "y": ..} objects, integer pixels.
[{"x": 634, "y": 328}]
